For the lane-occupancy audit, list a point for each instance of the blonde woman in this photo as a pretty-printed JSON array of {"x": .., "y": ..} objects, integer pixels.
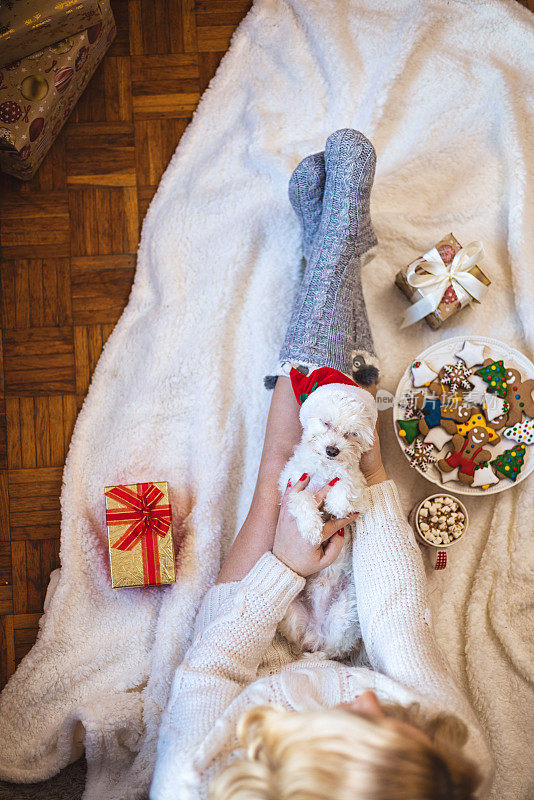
[{"x": 248, "y": 717}]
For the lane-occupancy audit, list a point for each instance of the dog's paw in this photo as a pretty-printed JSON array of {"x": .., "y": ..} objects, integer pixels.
[
  {"x": 303, "y": 508},
  {"x": 338, "y": 502}
]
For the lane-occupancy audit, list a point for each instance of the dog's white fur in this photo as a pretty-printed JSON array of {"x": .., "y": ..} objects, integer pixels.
[{"x": 324, "y": 616}]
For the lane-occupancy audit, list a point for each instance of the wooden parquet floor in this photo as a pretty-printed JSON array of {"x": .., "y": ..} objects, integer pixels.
[{"x": 68, "y": 240}]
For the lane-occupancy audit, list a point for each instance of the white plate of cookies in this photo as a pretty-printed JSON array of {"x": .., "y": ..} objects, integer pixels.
[{"x": 464, "y": 415}]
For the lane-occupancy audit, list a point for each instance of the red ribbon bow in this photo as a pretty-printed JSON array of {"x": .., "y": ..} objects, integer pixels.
[{"x": 149, "y": 519}]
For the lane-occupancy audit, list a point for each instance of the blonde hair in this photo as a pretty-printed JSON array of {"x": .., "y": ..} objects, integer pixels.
[{"x": 344, "y": 755}]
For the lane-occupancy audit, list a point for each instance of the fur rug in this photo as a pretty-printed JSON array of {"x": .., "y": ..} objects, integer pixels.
[{"x": 445, "y": 96}]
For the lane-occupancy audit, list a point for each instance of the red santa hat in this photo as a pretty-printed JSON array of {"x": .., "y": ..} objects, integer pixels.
[{"x": 328, "y": 382}]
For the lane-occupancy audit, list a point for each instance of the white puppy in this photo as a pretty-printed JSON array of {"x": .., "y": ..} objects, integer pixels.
[{"x": 338, "y": 423}]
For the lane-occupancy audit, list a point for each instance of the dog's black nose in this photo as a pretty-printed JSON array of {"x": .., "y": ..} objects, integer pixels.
[{"x": 332, "y": 451}]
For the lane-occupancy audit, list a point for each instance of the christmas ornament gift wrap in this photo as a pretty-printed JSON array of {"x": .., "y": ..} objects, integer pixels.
[
  {"x": 40, "y": 91},
  {"x": 30, "y": 25},
  {"x": 139, "y": 523},
  {"x": 442, "y": 281}
]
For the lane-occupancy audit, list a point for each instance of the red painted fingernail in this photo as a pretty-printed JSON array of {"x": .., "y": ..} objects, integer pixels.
[
  {"x": 288, "y": 484},
  {"x": 334, "y": 480},
  {"x": 303, "y": 476},
  {"x": 342, "y": 532}
]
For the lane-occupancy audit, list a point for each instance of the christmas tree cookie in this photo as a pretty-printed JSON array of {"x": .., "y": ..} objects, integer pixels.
[
  {"x": 408, "y": 429},
  {"x": 494, "y": 373},
  {"x": 522, "y": 432},
  {"x": 422, "y": 374},
  {"x": 510, "y": 463}
]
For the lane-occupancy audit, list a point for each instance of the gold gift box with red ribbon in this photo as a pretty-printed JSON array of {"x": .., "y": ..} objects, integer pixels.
[
  {"x": 443, "y": 281},
  {"x": 139, "y": 523}
]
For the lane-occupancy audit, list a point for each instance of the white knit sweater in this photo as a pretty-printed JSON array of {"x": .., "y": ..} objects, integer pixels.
[{"x": 237, "y": 660}]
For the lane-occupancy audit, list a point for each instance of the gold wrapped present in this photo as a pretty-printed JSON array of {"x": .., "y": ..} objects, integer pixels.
[
  {"x": 30, "y": 25},
  {"x": 442, "y": 281},
  {"x": 41, "y": 90},
  {"x": 139, "y": 523}
]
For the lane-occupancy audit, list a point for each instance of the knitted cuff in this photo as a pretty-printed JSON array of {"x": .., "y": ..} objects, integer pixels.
[
  {"x": 283, "y": 368},
  {"x": 273, "y": 580},
  {"x": 384, "y": 503}
]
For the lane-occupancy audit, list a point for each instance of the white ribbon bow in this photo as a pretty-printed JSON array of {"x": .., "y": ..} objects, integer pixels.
[{"x": 432, "y": 286}]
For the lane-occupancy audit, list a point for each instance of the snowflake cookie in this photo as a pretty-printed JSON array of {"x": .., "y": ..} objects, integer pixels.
[
  {"x": 456, "y": 377},
  {"x": 420, "y": 454}
]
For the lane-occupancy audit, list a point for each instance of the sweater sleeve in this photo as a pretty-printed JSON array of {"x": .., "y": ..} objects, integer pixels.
[
  {"x": 391, "y": 592},
  {"x": 394, "y": 613},
  {"x": 234, "y": 626}
]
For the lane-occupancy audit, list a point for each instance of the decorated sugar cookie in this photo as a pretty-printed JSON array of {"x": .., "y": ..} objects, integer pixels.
[
  {"x": 483, "y": 476},
  {"x": 408, "y": 429},
  {"x": 522, "y": 432},
  {"x": 446, "y": 477},
  {"x": 478, "y": 419},
  {"x": 476, "y": 394},
  {"x": 493, "y": 373},
  {"x": 431, "y": 414},
  {"x": 466, "y": 454},
  {"x": 420, "y": 455},
  {"x": 456, "y": 377},
  {"x": 422, "y": 374},
  {"x": 412, "y": 406},
  {"x": 455, "y": 412},
  {"x": 438, "y": 437},
  {"x": 519, "y": 396},
  {"x": 436, "y": 414},
  {"x": 471, "y": 354},
  {"x": 494, "y": 406},
  {"x": 510, "y": 463}
]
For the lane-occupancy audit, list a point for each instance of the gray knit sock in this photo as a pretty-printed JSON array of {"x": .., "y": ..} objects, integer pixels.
[
  {"x": 306, "y": 188},
  {"x": 329, "y": 321}
]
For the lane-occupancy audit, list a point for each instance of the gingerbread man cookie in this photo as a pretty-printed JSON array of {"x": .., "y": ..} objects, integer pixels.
[
  {"x": 436, "y": 412},
  {"x": 518, "y": 395},
  {"x": 467, "y": 453},
  {"x": 479, "y": 419}
]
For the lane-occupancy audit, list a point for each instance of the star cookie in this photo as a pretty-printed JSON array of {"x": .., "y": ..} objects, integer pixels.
[
  {"x": 471, "y": 354},
  {"x": 438, "y": 437},
  {"x": 450, "y": 476}
]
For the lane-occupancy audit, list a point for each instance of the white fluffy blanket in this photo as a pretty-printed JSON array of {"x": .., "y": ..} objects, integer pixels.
[{"x": 443, "y": 89}]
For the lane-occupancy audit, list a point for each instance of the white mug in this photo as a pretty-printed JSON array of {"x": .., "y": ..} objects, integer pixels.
[{"x": 441, "y": 555}]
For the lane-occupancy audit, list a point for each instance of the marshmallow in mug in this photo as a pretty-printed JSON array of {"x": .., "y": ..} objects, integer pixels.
[{"x": 441, "y": 520}]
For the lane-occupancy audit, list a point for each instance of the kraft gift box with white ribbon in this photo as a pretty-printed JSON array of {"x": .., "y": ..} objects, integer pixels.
[{"x": 442, "y": 281}]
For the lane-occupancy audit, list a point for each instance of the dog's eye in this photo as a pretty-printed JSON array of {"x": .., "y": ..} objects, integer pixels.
[
  {"x": 327, "y": 424},
  {"x": 352, "y": 435}
]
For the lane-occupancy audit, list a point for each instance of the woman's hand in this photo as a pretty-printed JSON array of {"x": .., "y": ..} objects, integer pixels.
[
  {"x": 298, "y": 554},
  {"x": 371, "y": 461}
]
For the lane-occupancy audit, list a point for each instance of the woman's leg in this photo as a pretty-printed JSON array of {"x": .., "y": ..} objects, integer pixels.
[{"x": 328, "y": 323}]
